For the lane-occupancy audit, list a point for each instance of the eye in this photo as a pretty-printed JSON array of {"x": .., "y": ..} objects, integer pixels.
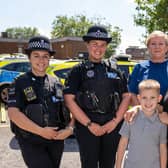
[
  {"x": 36, "y": 56},
  {"x": 153, "y": 43},
  {"x": 144, "y": 98},
  {"x": 46, "y": 56}
]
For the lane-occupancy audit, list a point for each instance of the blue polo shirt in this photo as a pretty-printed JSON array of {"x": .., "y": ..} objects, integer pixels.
[{"x": 145, "y": 135}]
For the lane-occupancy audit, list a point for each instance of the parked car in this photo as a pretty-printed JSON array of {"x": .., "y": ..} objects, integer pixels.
[
  {"x": 10, "y": 69},
  {"x": 60, "y": 68},
  {"x": 8, "y": 72}
]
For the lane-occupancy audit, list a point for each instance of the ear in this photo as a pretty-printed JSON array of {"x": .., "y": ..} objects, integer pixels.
[
  {"x": 138, "y": 97},
  {"x": 160, "y": 98},
  {"x": 87, "y": 44}
]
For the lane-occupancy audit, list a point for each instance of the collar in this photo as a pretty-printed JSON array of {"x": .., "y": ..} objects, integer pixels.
[{"x": 151, "y": 118}]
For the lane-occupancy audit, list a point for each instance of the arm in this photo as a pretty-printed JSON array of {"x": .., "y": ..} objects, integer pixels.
[
  {"x": 25, "y": 123},
  {"x": 163, "y": 117},
  {"x": 134, "y": 100},
  {"x": 163, "y": 155},
  {"x": 121, "y": 151},
  {"x": 131, "y": 113},
  {"x": 111, "y": 125},
  {"x": 65, "y": 133},
  {"x": 79, "y": 115}
]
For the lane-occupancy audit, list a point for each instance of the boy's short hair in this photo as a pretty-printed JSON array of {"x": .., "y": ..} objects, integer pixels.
[{"x": 149, "y": 84}]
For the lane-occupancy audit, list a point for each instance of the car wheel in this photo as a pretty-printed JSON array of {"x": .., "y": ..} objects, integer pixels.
[{"x": 4, "y": 93}]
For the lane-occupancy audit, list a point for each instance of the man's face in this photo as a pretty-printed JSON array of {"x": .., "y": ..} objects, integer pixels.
[
  {"x": 96, "y": 49},
  {"x": 39, "y": 60}
]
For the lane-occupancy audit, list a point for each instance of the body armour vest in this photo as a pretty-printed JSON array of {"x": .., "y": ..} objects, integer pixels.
[
  {"x": 43, "y": 102},
  {"x": 101, "y": 88}
]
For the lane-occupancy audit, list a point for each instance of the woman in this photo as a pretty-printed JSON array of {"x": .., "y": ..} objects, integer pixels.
[
  {"x": 96, "y": 94},
  {"x": 155, "y": 68},
  {"x": 35, "y": 105}
]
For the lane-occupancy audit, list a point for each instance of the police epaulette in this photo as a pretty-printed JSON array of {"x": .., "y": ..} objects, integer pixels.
[
  {"x": 20, "y": 76},
  {"x": 110, "y": 62}
]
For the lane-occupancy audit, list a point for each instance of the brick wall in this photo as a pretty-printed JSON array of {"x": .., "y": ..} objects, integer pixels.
[{"x": 67, "y": 47}]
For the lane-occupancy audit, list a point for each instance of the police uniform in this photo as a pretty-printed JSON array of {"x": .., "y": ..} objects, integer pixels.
[
  {"x": 40, "y": 99},
  {"x": 98, "y": 89}
]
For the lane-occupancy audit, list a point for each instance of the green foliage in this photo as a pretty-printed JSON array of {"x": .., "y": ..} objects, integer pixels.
[
  {"x": 22, "y": 32},
  {"x": 152, "y": 14},
  {"x": 77, "y": 26},
  {"x": 63, "y": 26}
]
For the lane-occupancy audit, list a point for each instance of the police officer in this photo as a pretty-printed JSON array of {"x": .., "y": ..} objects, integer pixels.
[
  {"x": 96, "y": 94},
  {"x": 35, "y": 107}
]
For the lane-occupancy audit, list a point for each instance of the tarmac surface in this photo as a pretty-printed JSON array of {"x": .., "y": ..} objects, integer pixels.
[{"x": 10, "y": 155}]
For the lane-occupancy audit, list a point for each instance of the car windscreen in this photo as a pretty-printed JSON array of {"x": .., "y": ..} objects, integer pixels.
[
  {"x": 62, "y": 73},
  {"x": 17, "y": 66}
]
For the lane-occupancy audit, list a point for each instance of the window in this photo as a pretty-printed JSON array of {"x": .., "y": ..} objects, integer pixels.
[{"x": 17, "y": 66}]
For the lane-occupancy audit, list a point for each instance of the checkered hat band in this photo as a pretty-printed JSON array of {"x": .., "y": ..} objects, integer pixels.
[
  {"x": 98, "y": 34},
  {"x": 39, "y": 44}
]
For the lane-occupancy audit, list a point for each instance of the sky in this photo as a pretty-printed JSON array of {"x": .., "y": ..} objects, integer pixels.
[{"x": 41, "y": 14}]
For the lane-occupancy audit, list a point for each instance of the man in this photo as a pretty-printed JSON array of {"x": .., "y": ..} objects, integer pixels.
[
  {"x": 93, "y": 92},
  {"x": 35, "y": 107}
]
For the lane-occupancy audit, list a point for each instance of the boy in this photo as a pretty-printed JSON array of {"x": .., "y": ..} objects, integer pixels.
[{"x": 146, "y": 136}]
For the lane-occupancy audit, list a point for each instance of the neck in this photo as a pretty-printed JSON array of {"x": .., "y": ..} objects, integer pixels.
[
  {"x": 41, "y": 74},
  {"x": 158, "y": 60},
  {"x": 95, "y": 60}
]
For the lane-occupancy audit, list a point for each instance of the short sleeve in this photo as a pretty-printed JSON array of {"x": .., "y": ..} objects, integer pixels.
[
  {"x": 163, "y": 134},
  {"x": 133, "y": 81},
  {"x": 125, "y": 129},
  {"x": 73, "y": 81},
  {"x": 15, "y": 96}
]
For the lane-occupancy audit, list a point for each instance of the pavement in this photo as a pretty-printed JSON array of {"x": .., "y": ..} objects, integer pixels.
[{"x": 10, "y": 155}]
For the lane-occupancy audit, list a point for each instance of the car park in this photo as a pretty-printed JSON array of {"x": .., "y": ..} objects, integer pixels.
[
  {"x": 60, "y": 70},
  {"x": 9, "y": 70},
  {"x": 126, "y": 66}
]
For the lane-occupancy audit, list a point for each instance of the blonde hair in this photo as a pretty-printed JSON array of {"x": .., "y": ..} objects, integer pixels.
[
  {"x": 157, "y": 33},
  {"x": 149, "y": 84}
]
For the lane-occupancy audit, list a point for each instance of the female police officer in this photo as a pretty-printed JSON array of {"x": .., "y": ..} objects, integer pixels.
[
  {"x": 35, "y": 107},
  {"x": 93, "y": 92}
]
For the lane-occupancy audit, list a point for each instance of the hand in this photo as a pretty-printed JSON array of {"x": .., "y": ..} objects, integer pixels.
[
  {"x": 131, "y": 113},
  {"x": 64, "y": 133},
  {"x": 159, "y": 108},
  {"x": 49, "y": 132},
  {"x": 163, "y": 117},
  {"x": 96, "y": 129},
  {"x": 109, "y": 126}
]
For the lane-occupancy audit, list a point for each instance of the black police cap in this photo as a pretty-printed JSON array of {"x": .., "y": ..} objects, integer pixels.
[
  {"x": 39, "y": 43},
  {"x": 97, "y": 33}
]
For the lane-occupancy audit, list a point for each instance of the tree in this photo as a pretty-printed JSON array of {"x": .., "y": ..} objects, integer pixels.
[
  {"x": 22, "y": 32},
  {"x": 152, "y": 14},
  {"x": 77, "y": 26}
]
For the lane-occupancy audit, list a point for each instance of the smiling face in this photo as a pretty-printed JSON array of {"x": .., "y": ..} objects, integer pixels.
[
  {"x": 157, "y": 48},
  {"x": 96, "y": 49},
  {"x": 39, "y": 60},
  {"x": 149, "y": 99}
]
